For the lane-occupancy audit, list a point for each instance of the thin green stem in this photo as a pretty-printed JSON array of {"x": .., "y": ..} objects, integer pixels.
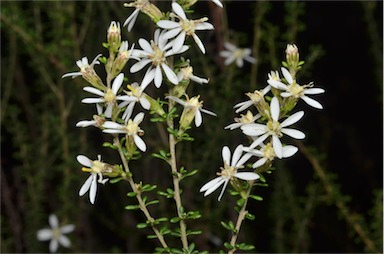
[
  {"x": 242, "y": 213},
  {"x": 176, "y": 180},
  {"x": 140, "y": 200}
]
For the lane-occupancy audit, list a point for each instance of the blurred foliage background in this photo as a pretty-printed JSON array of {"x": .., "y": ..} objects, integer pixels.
[{"x": 328, "y": 198}]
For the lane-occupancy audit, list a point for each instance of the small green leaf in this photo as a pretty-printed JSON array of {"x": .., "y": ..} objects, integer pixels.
[
  {"x": 115, "y": 180},
  {"x": 142, "y": 225},
  {"x": 131, "y": 207},
  {"x": 175, "y": 219},
  {"x": 131, "y": 194},
  {"x": 152, "y": 202},
  {"x": 250, "y": 216},
  {"x": 256, "y": 197},
  {"x": 228, "y": 246}
]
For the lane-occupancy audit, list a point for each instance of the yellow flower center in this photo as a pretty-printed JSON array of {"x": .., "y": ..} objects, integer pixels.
[
  {"x": 227, "y": 171},
  {"x": 157, "y": 56},
  {"x": 274, "y": 128},
  {"x": 256, "y": 96},
  {"x": 268, "y": 152},
  {"x": 296, "y": 90},
  {"x": 247, "y": 118},
  {"x": 109, "y": 97},
  {"x": 188, "y": 26},
  {"x": 194, "y": 102},
  {"x": 132, "y": 127}
]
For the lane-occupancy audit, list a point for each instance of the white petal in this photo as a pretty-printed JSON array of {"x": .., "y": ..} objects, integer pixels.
[
  {"x": 93, "y": 189},
  {"x": 254, "y": 129},
  {"x": 44, "y": 234},
  {"x": 218, "y": 3},
  {"x": 108, "y": 111},
  {"x": 139, "y": 143},
  {"x": 275, "y": 109},
  {"x": 85, "y": 123},
  {"x": 199, "y": 43},
  {"x": 67, "y": 228},
  {"x": 168, "y": 24},
  {"x": 289, "y": 151},
  {"x": 198, "y": 118},
  {"x": 72, "y": 74},
  {"x": 239, "y": 62},
  {"x": 286, "y": 94},
  {"x": 293, "y": 133},
  {"x": 178, "y": 42},
  {"x": 53, "y": 221},
  {"x": 314, "y": 91},
  {"x": 139, "y": 118},
  {"x": 93, "y": 90},
  {"x": 226, "y": 154},
  {"x": 210, "y": 184},
  {"x": 204, "y": 26},
  {"x": 243, "y": 105},
  {"x": 145, "y": 103},
  {"x": 139, "y": 65},
  {"x": 145, "y": 45},
  {"x": 230, "y": 46},
  {"x": 178, "y": 10},
  {"x": 207, "y": 112},
  {"x": 158, "y": 76},
  {"x": 86, "y": 186},
  {"x": 259, "y": 140},
  {"x": 277, "y": 84},
  {"x": 292, "y": 119},
  {"x": 114, "y": 131},
  {"x": 259, "y": 163},
  {"x": 53, "y": 245},
  {"x": 287, "y": 75},
  {"x": 92, "y": 100},
  {"x": 112, "y": 125},
  {"x": 84, "y": 160},
  {"x": 149, "y": 76},
  {"x": 170, "y": 74},
  {"x": 223, "y": 189},
  {"x": 243, "y": 160},
  {"x": 247, "y": 175},
  {"x": 236, "y": 155},
  {"x": 311, "y": 102},
  {"x": 117, "y": 83},
  {"x": 277, "y": 146},
  {"x": 64, "y": 241}
]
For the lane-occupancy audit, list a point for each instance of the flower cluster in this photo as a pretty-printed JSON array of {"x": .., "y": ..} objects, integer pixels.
[
  {"x": 270, "y": 125},
  {"x": 115, "y": 105}
]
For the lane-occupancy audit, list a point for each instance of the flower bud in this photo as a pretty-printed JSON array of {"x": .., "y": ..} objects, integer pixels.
[
  {"x": 121, "y": 59},
  {"x": 114, "y": 36},
  {"x": 257, "y": 97},
  {"x": 292, "y": 55},
  {"x": 155, "y": 105},
  {"x": 91, "y": 76},
  {"x": 192, "y": 105}
]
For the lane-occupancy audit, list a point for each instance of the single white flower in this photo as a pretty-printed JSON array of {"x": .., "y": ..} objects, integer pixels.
[
  {"x": 295, "y": 90},
  {"x": 55, "y": 234},
  {"x": 131, "y": 129},
  {"x": 136, "y": 94},
  {"x": 254, "y": 99},
  {"x": 195, "y": 105},
  {"x": 267, "y": 153},
  {"x": 233, "y": 53},
  {"x": 274, "y": 128},
  {"x": 243, "y": 120},
  {"x": 156, "y": 53},
  {"x": 229, "y": 171},
  {"x": 95, "y": 168},
  {"x": 186, "y": 73},
  {"x": 83, "y": 65},
  {"x": 184, "y": 27},
  {"x": 109, "y": 97}
]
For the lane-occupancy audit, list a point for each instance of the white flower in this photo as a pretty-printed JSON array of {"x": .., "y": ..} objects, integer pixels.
[
  {"x": 183, "y": 28},
  {"x": 156, "y": 53},
  {"x": 243, "y": 120},
  {"x": 83, "y": 65},
  {"x": 109, "y": 97},
  {"x": 233, "y": 53},
  {"x": 96, "y": 168},
  {"x": 267, "y": 153},
  {"x": 254, "y": 98},
  {"x": 186, "y": 73},
  {"x": 229, "y": 171},
  {"x": 218, "y": 3},
  {"x": 195, "y": 105},
  {"x": 139, "y": 5},
  {"x": 55, "y": 234},
  {"x": 97, "y": 119},
  {"x": 295, "y": 90},
  {"x": 135, "y": 95},
  {"x": 131, "y": 129},
  {"x": 274, "y": 128}
]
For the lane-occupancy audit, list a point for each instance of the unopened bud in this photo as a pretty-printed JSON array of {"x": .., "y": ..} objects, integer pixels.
[
  {"x": 121, "y": 59},
  {"x": 114, "y": 36},
  {"x": 292, "y": 55},
  {"x": 257, "y": 97}
]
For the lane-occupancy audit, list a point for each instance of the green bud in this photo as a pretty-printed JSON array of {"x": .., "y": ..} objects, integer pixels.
[{"x": 114, "y": 36}]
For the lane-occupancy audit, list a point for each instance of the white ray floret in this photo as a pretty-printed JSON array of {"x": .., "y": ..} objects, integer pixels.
[
  {"x": 83, "y": 65},
  {"x": 234, "y": 54},
  {"x": 229, "y": 171}
]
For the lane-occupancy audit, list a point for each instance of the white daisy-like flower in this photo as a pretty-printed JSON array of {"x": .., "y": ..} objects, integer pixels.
[
  {"x": 136, "y": 94},
  {"x": 267, "y": 153},
  {"x": 186, "y": 73},
  {"x": 83, "y": 65},
  {"x": 156, "y": 53},
  {"x": 109, "y": 97},
  {"x": 254, "y": 99},
  {"x": 139, "y": 5},
  {"x": 243, "y": 120},
  {"x": 55, "y": 234},
  {"x": 195, "y": 105},
  {"x": 295, "y": 90},
  {"x": 233, "y": 53},
  {"x": 184, "y": 27},
  {"x": 274, "y": 129},
  {"x": 218, "y": 3},
  {"x": 95, "y": 168},
  {"x": 131, "y": 129},
  {"x": 229, "y": 171}
]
